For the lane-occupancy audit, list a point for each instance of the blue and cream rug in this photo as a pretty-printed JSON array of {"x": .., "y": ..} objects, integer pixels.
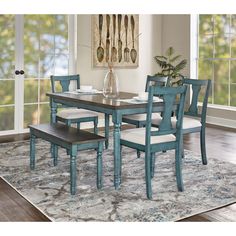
[{"x": 47, "y": 187}]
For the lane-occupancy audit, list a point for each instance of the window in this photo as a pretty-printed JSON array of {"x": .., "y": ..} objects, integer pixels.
[{"x": 217, "y": 56}]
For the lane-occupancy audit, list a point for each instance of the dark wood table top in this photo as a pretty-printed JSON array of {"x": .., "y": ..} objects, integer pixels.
[{"x": 99, "y": 100}]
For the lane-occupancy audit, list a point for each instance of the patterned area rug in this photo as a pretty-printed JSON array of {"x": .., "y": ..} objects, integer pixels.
[{"x": 47, "y": 187}]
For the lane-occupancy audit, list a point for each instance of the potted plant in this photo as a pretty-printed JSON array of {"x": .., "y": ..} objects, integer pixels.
[{"x": 171, "y": 66}]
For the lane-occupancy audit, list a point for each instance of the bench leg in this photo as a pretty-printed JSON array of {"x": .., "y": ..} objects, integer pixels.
[
  {"x": 95, "y": 124},
  {"x": 54, "y": 154},
  {"x": 73, "y": 170},
  {"x": 99, "y": 165},
  {"x": 32, "y": 152}
]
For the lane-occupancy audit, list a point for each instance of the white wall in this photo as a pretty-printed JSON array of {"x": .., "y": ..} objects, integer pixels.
[
  {"x": 130, "y": 80},
  {"x": 176, "y": 33}
]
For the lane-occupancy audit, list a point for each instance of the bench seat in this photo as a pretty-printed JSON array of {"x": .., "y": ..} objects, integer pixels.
[{"x": 71, "y": 139}]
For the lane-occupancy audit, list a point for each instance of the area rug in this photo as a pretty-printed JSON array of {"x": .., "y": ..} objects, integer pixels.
[{"x": 47, "y": 187}]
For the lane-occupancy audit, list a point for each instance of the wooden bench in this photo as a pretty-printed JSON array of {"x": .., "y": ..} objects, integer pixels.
[{"x": 71, "y": 139}]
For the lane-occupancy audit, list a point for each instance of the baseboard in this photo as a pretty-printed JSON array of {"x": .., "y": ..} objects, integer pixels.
[{"x": 221, "y": 122}]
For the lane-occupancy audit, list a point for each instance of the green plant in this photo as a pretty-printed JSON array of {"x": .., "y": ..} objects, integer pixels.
[{"x": 170, "y": 66}]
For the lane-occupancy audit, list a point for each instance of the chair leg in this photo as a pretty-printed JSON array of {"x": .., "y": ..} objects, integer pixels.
[
  {"x": 95, "y": 123},
  {"x": 55, "y": 154},
  {"x": 148, "y": 175},
  {"x": 99, "y": 165},
  {"x": 178, "y": 167},
  {"x": 182, "y": 146},
  {"x": 153, "y": 157},
  {"x": 203, "y": 146},
  {"x": 138, "y": 152},
  {"x": 32, "y": 152},
  {"x": 73, "y": 170},
  {"x": 107, "y": 130},
  {"x": 120, "y": 163}
]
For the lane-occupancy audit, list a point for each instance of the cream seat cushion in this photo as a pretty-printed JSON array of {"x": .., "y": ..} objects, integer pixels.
[
  {"x": 188, "y": 122},
  {"x": 137, "y": 135},
  {"x": 142, "y": 117},
  {"x": 75, "y": 113}
]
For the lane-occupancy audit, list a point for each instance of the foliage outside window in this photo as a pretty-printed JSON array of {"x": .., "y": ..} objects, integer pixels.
[
  {"x": 45, "y": 53},
  {"x": 217, "y": 56}
]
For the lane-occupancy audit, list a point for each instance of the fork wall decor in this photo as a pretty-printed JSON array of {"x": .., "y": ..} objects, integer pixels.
[{"x": 115, "y": 38}]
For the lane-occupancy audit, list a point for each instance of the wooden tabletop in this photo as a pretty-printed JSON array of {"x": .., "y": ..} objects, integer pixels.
[{"x": 99, "y": 100}]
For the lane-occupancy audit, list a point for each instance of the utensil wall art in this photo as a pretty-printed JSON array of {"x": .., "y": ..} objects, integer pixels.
[{"x": 115, "y": 38}]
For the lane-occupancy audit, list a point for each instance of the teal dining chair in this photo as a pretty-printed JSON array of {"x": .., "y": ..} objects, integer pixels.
[
  {"x": 139, "y": 120},
  {"x": 72, "y": 115},
  {"x": 152, "y": 140},
  {"x": 194, "y": 118}
]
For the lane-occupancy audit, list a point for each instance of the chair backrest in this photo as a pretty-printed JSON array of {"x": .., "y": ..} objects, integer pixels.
[
  {"x": 197, "y": 86},
  {"x": 64, "y": 81},
  {"x": 170, "y": 104},
  {"x": 155, "y": 79}
]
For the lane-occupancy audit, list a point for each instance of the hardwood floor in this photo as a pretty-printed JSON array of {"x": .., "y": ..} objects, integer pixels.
[
  {"x": 221, "y": 144},
  {"x": 13, "y": 207}
]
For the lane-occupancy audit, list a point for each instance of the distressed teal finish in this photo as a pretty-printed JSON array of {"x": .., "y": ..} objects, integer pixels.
[
  {"x": 193, "y": 111},
  {"x": 72, "y": 147},
  {"x": 108, "y": 109},
  {"x": 65, "y": 83},
  {"x": 169, "y": 96}
]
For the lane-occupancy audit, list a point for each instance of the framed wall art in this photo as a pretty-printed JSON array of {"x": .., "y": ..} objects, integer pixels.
[{"x": 115, "y": 39}]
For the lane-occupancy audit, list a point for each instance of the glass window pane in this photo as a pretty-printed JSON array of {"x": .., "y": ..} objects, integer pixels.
[
  {"x": 205, "y": 69},
  {"x": 222, "y": 49},
  {"x": 221, "y": 82},
  {"x": 7, "y": 118},
  {"x": 233, "y": 72},
  {"x": 221, "y": 92},
  {"x": 61, "y": 34},
  {"x": 30, "y": 90},
  {"x": 45, "y": 86},
  {"x": 7, "y": 92},
  {"x": 233, "y": 46},
  {"x": 31, "y": 45},
  {"x": 221, "y": 72},
  {"x": 233, "y": 95},
  {"x": 206, "y": 47},
  {"x": 47, "y": 65},
  {"x": 61, "y": 64},
  {"x": 44, "y": 113},
  {"x": 221, "y": 24},
  {"x": 30, "y": 115},
  {"x": 205, "y": 24},
  {"x": 47, "y": 24},
  {"x": 7, "y": 46},
  {"x": 233, "y": 24}
]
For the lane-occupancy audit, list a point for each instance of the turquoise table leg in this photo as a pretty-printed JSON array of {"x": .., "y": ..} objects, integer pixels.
[
  {"x": 53, "y": 108},
  {"x": 99, "y": 165},
  {"x": 107, "y": 130},
  {"x": 116, "y": 118},
  {"x": 55, "y": 154},
  {"x": 73, "y": 170},
  {"x": 32, "y": 152}
]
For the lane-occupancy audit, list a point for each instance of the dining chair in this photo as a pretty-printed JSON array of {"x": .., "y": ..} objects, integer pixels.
[
  {"x": 72, "y": 115},
  {"x": 194, "y": 118},
  {"x": 139, "y": 120},
  {"x": 152, "y": 140}
]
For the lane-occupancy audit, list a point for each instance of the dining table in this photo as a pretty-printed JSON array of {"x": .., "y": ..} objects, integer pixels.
[{"x": 115, "y": 107}]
